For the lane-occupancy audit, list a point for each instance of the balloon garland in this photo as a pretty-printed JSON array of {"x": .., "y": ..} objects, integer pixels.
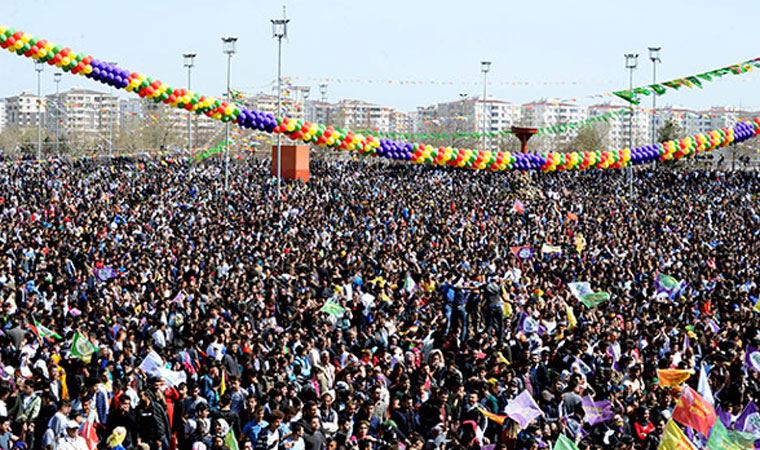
[{"x": 23, "y": 44}]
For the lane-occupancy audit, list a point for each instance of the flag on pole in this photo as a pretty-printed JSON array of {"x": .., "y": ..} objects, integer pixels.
[
  {"x": 223, "y": 384},
  {"x": 332, "y": 308},
  {"x": 564, "y": 443},
  {"x": 723, "y": 439},
  {"x": 670, "y": 286},
  {"x": 752, "y": 358},
  {"x": 703, "y": 386},
  {"x": 491, "y": 416},
  {"x": 548, "y": 249},
  {"x": 518, "y": 207},
  {"x": 523, "y": 409},
  {"x": 230, "y": 441},
  {"x": 673, "y": 377},
  {"x": 693, "y": 411},
  {"x": 82, "y": 348},
  {"x": 43, "y": 332},
  {"x": 749, "y": 420},
  {"x": 572, "y": 321},
  {"x": 674, "y": 439},
  {"x": 522, "y": 252},
  {"x": 583, "y": 292},
  {"x": 596, "y": 412}
]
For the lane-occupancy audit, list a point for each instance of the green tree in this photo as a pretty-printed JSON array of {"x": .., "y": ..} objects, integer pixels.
[
  {"x": 669, "y": 131},
  {"x": 590, "y": 138}
]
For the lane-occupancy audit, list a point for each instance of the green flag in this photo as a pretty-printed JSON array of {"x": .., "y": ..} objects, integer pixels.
[
  {"x": 81, "y": 347},
  {"x": 658, "y": 89},
  {"x": 723, "y": 439},
  {"x": 628, "y": 96},
  {"x": 230, "y": 441},
  {"x": 595, "y": 299},
  {"x": 332, "y": 308},
  {"x": 564, "y": 443},
  {"x": 44, "y": 332}
]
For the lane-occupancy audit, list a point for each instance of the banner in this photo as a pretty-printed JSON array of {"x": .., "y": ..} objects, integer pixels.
[{"x": 633, "y": 95}]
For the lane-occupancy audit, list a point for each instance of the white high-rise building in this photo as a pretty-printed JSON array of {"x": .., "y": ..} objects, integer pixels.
[
  {"x": 3, "y": 115},
  {"x": 88, "y": 114},
  {"x": 25, "y": 110}
]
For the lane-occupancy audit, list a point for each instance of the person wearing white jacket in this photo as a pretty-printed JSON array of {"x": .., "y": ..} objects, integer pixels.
[{"x": 71, "y": 440}]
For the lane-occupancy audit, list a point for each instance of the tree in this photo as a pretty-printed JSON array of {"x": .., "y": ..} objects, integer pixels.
[
  {"x": 669, "y": 131},
  {"x": 590, "y": 138}
]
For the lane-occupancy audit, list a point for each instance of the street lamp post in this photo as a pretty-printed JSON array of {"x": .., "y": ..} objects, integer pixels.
[
  {"x": 279, "y": 31},
  {"x": 654, "y": 56},
  {"x": 228, "y": 46},
  {"x": 38, "y": 66},
  {"x": 485, "y": 67},
  {"x": 111, "y": 119},
  {"x": 189, "y": 59},
  {"x": 57, "y": 78},
  {"x": 631, "y": 61}
]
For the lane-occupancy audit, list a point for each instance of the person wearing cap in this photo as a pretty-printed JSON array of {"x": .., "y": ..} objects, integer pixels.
[{"x": 71, "y": 440}]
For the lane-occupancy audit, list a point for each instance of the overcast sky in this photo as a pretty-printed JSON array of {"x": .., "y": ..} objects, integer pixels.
[{"x": 581, "y": 41}]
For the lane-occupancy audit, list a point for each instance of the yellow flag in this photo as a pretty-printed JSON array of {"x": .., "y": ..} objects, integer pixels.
[
  {"x": 580, "y": 243},
  {"x": 572, "y": 322},
  {"x": 673, "y": 377},
  {"x": 674, "y": 439},
  {"x": 223, "y": 385},
  {"x": 757, "y": 306}
]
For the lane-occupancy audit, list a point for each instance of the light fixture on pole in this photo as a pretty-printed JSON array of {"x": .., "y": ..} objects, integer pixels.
[
  {"x": 38, "y": 66},
  {"x": 228, "y": 46},
  {"x": 111, "y": 118},
  {"x": 279, "y": 32},
  {"x": 485, "y": 67},
  {"x": 189, "y": 58},
  {"x": 631, "y": 62},
  {"x": 57, "y": 78},
  {"x": 654, "y": 56},
  {"x": 323, "y": 92}
]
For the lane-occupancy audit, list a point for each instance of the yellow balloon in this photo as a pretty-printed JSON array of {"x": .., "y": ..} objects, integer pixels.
[
  {"x": 25, "y": 38},
  {"x": 330, "y": 141},
  {"x": 2, "y": 29}
]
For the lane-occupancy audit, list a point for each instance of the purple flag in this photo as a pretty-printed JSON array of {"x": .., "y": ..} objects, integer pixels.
[
  {"x": 724, "y": 416},
  {"x": 596, "y": 412},
  {"x": 752, "y": 358},
  {"x": 749, "y": 420},
  {"x": 523, "y": 409},
  {"x": 713, "y": 326}
]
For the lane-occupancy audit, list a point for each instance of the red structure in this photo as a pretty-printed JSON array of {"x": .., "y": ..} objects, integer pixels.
[
  {"x": 295, "y": 162},
  {"x": 524, "y": 134}
]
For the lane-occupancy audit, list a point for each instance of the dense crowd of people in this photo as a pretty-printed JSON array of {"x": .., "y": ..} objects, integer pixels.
[{"x": 378, "y": 306}]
